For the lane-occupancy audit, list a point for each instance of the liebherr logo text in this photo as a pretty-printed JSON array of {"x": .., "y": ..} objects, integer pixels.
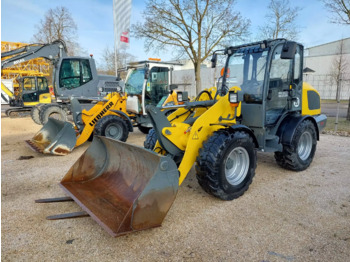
[
  {"x": 100, "y": 115},
  {"x": 18, "y": 61}
]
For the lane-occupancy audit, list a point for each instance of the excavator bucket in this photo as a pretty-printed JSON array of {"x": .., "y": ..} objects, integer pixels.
[
  {"x": 55, "y": 137},
  {"x": 123, "y": 187}
]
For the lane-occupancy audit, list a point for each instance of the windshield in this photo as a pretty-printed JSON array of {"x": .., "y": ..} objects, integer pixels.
[
  {"x": 246, "y": 69},
  {"x": 134, "y": 82}
]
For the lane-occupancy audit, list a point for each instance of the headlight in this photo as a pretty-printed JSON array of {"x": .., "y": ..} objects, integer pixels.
[
  {"x": 179, "y": 97},
  {"x": 232, "y": 97},
  {"x": 100, "y": 89}
]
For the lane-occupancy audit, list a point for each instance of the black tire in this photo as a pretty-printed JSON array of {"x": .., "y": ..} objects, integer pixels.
[
  {"x": 35, "y": 114},
  {"x": 218, "y": 153},
  {"x": 299, "y": 155},
  {"x": 151, "y": 140},
  {"x": 112, "y": 126},
  {"x": 52, "y": 111},
  {"x": 144, "y": 129}
]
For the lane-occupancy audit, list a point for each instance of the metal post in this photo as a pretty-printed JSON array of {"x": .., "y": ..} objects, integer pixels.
[{"x": 115, "y": 39}]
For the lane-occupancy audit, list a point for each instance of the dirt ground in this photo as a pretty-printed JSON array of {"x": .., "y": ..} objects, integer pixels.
[{"x": 284, "y": 216}]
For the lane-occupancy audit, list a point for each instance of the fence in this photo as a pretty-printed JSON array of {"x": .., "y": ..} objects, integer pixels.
[{"x": 326, "y": 85}]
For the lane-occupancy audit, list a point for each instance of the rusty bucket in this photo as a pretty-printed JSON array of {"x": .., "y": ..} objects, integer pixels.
[
  {"x": 55, "y": 137},
  {"x": 123, "y": 187}
]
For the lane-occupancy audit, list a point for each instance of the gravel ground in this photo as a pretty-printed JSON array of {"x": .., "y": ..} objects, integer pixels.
[{"x": 284, "y": 216}]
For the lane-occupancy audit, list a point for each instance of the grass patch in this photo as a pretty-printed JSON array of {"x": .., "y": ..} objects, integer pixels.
[
  {"x": 343, "y": 126},
  {"x": 333, "y": 101}
]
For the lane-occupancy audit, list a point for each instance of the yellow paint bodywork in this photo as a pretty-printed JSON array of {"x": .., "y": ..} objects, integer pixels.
[
  {"x": 43, "y": 99},
  {"x": 172, "y": 97},
  {"x": 190, "y": 138},
  {"x": 113, "y": 101},
  {"x": 305, "y": 105}
]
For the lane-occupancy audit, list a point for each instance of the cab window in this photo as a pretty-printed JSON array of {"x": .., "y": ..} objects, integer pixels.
[
  {"x": 74, "y": 73},
  {"x": 29, "y": 84},
  {"x": 42, "y": 84},
  {"x": 157, "y": 85}
]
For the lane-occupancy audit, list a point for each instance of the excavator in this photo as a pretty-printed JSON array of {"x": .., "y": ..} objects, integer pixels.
[
  {"x": 262, "y": 105},
  {"x": 32, "y": 89},
  {"x": 72, "y": 77}
]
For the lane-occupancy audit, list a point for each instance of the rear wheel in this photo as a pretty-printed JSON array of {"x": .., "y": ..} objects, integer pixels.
[
  {"x": 299, "y": 155},
  {"x": 35, "y": 114},
  {"x": 52, "y": 111},
  {"x": 112, "y": 126},
  {"x": 226, "y": 164}
]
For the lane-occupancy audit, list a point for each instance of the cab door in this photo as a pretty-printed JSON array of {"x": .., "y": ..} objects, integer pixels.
[
  {"x": 284, "y": 85},
  {"x": 75, "y": 78},
  {"x": 157, "y": 85}
]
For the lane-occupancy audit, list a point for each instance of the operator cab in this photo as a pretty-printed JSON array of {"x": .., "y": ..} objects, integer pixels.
[
  {"x": 147, "y": 82},
  {"x": 269, "y": 74},
  {"x": 76, "y": 77},
  {"x": 32, "y": 87}
]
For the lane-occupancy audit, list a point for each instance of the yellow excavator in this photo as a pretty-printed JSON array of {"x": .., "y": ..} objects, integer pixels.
[
  {"x": 262, "y": 104},
  {"x": 32, "y": 90}
]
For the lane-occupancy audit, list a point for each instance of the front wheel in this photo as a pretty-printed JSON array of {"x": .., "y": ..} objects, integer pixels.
[
  {"x": 299, "y": 154},
  {"x": 226, "y": 164},
  {"x": 112, "y": 126}
]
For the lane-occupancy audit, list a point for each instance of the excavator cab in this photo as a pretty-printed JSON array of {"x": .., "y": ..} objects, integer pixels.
[{"x": 32, "y": 88}]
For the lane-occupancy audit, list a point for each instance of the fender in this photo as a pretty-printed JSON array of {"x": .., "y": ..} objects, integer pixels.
[
  {"x": 126, "y": 117},
  {"x": 287, "y": 128},
  {"x": 246, "y": 129},
  {"x": 238, "y": 127}
]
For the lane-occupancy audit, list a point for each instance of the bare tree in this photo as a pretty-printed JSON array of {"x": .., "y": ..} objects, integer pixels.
[
  {"x": 340, "y": 67},
  {"x": 340, "y": 10},
  {"x": 108, "y": 58},
  {"x": 280, "y": 22},
  {"x": 192, "y": 28},
  {"x": 58, "y": 24}
]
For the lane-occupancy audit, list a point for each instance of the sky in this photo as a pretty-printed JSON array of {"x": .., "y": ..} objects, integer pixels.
[{"x": 94, "y": 19}]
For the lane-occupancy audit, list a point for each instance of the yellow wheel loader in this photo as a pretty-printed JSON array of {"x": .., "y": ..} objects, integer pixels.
[
  {"x": 262, "y": 104},
  {"x": 106, "y": 118}
]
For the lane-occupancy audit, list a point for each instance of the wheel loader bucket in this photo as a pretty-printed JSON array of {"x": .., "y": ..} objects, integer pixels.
[
  {"x": 55, "y": 137},
  {"x": 123, "y": 187}
]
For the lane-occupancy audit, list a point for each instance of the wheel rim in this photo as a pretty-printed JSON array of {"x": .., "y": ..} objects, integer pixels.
[
  {"x": 305, "y": 146},
  {"x": 237, "y": 165},
  {"x": 114, "y": 131}
]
